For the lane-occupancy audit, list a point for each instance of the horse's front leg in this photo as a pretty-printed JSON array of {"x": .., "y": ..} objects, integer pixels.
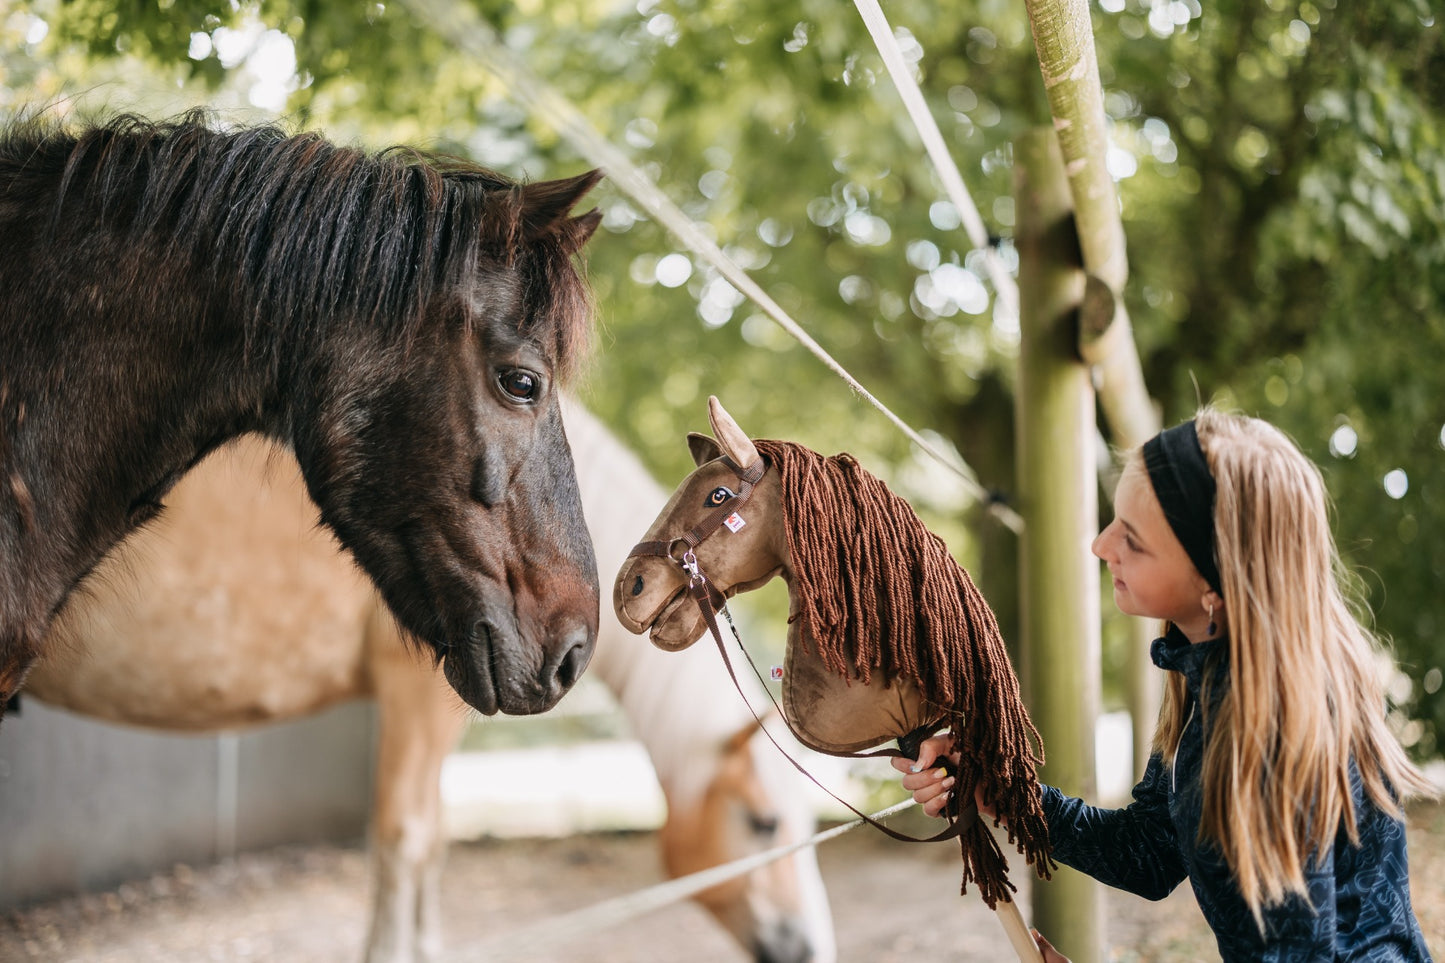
[
  {"x": 391, "y": 937},
  {"x": 420, "y": 720}
]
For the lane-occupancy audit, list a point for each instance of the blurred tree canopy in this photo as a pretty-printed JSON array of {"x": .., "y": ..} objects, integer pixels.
[{"x": 1281, "y": 166}]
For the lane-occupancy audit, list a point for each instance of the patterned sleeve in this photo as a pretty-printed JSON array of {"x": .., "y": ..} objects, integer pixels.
[{"x": 1132, "y": 849}]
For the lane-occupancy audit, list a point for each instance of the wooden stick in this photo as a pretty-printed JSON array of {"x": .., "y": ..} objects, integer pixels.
[{"x": 1018, "y": 932}]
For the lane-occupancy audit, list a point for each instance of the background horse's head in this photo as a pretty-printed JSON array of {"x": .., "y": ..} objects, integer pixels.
[
  {"x": 650, "y": 592},
  {"x": 402, "y": 321},
  {"x": 750, "y": 803}
]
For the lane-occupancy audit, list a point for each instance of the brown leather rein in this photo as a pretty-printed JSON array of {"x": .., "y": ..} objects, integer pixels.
[{"x": 710, "y": 601}]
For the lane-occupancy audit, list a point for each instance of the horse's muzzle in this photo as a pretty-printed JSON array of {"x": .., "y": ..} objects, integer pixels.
[{"x": 492, "y": 674}]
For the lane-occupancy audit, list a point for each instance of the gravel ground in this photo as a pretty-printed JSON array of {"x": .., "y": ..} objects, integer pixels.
[{"x": 892, "y": 902}]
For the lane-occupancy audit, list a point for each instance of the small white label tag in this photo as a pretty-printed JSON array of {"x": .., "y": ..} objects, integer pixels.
[
  {"x": 777, "y": 673},
  {"x": 734, "y": 522}
]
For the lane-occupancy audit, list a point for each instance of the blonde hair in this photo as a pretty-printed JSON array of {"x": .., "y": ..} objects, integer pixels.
[{"x": 1305, "y": 697}]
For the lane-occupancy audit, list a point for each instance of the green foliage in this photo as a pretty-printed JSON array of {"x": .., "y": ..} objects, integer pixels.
[
  {"x": 1285, "y": 212},
  {"x": 1288, "y": 262}
]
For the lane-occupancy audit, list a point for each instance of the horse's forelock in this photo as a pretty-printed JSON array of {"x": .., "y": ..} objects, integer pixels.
[
  {"x": 565, "y": 306},
  {"x": 495, "y": 219}
]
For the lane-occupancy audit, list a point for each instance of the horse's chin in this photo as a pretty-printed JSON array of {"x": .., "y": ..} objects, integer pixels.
[
  {"x": 471, "y": 681},
  {"x": 678, "y": 625}
]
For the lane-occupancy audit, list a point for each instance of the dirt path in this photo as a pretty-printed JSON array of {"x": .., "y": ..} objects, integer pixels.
[{"x": 892, "y": 902}]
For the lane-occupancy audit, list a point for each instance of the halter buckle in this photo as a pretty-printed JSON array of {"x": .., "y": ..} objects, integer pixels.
[{"x": 689, "y": 565}]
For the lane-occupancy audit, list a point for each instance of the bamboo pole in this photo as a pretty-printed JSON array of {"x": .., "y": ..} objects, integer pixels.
[
  {"x": 1057, "y": 475},
  {"x": 1068, "y": 62},
  {"x": 1018, "y": 933}
]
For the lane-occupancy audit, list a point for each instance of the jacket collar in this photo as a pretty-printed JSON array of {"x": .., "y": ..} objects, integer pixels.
[{"x": 1194, "y": 660}]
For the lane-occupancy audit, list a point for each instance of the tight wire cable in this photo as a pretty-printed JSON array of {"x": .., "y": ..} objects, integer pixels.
[
  {"x": 1003, "y": 282},
  {"x": 534, "y": 940}
]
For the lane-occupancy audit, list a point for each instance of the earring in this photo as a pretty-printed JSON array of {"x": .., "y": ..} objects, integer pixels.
[{"x": 1213, "y": 626}]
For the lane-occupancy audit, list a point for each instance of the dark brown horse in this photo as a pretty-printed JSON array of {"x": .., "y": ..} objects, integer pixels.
[{"x": 401, "y": 322}]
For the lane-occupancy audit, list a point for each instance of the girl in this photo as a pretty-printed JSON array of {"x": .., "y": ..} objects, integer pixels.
[{"x": 1274, "y": 784}]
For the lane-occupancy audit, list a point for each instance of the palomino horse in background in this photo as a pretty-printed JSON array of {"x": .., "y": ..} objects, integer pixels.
[
  {"x": 400, "y": 324},
  {"x": 234, "y": 609}
]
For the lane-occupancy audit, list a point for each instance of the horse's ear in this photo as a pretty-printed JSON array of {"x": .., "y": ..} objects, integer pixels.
[
  {"x": 735, "y": 442},
  {"x": 580, "y": 229},
  {"x": 738, "y": 740},
  {"x": 703, "y": 448},
  {"x": 546, "y": 205}
]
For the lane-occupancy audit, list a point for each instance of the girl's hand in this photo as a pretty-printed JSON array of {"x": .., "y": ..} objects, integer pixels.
[
  {"x": 928, "y": 783},
  {"x": 1051, "y": 955},
  {"x": 931, "y": 784}
]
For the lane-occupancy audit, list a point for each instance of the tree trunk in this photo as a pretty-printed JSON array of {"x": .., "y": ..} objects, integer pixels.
[
  {"x": 1057, "y": 474},
  {"x": 1064, "y": 39}
]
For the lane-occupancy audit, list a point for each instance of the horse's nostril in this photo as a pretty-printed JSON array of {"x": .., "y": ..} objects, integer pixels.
[
  {"x": 783, "y": 943},
  {"x": 637, "y": 586},
  {"x": 572, "y": 666}
]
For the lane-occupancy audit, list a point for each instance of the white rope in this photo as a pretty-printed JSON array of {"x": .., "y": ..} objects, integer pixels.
[
  {"x": 953, "y": 186},
  {"x": 461, "y": 25},
  {"x": 535, "y": 940}
]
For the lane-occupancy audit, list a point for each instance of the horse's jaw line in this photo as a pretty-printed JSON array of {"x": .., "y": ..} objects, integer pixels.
[{"x": 757, "y": 583}]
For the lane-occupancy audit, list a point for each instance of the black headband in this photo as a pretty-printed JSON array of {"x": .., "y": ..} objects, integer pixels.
[{"x": 1185, "y": 489}]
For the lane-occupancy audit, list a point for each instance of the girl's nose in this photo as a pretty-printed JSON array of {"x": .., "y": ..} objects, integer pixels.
[{"x": 1100, "y": 543}]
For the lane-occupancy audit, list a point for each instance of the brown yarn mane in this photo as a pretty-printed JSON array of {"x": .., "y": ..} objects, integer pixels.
[{"x": 879, "y": 592}]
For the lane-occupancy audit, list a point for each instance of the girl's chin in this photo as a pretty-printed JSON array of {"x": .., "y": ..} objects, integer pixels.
[{"x": 1124, "y": 603}]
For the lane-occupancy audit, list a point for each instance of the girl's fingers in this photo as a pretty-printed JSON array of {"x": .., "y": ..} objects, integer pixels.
[
  {"x": 934, "y": 796},
  {"x": 930, "y": 780},
  {"x": 1051, "y": 955}
]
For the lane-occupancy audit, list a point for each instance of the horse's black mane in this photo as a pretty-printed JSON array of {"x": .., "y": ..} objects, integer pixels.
[{"x": 315, "y": 233}]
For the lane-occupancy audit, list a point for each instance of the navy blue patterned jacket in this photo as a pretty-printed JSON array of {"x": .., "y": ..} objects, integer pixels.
[{"x": 1361, "y": 896}]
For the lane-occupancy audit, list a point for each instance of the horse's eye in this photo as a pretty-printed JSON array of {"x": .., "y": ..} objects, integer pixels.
[
  {"x": 762, "y": 825},
  {"x": 519, "y": 383},
  {"x": 718, "y": 495}
]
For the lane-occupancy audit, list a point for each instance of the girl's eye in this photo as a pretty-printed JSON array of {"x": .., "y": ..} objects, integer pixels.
[
  {"x": 717, "y": 496},
  {"x": 1130, "y": 543},
  {"x": 518, "y": 383}
]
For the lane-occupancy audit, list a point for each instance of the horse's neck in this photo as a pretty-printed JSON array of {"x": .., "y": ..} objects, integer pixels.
[
  {"x": 80, "y": 481},
  {"x": 682, "y": 706},
  {"x": 102, "y": 413}
]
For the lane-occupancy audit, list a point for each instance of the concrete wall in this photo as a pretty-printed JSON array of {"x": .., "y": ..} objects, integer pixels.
[{"x": 85, "y": 805}]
